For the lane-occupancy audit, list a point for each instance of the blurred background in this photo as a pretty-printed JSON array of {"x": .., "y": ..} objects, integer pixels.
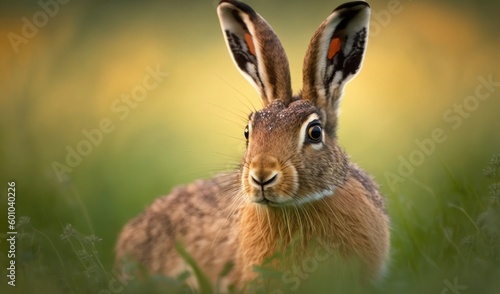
[{"x": 106, "y": 105}]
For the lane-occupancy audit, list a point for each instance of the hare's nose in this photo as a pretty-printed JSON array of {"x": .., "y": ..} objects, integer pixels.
[
  {"x": 264, "y": 182},
  {"x": 263, "y": 172}
]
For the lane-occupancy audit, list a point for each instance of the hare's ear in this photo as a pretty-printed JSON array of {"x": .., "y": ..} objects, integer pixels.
[
  {"x": 334, "y": 57},
  {"x": 256, "y": 50}
]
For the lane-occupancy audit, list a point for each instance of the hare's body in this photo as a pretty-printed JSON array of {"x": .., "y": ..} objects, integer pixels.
[
  {"x": 192, "y": 215},
  {"x": 362, "y": 232},
  {"x": 295, "y": 188}
]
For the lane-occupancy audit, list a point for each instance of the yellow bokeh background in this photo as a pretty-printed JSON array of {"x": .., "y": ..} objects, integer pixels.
[{"x": 423, "y": 60}]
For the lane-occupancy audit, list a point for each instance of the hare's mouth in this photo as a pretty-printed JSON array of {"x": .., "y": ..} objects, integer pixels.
[
  {"x": 268, "y": 201},
  {"x": 263, "y": 201}
]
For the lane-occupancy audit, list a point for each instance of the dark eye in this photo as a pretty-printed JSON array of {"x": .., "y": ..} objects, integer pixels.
[
  {"x": 314, "y": 132},
  {"x": 247, "y": 131}
]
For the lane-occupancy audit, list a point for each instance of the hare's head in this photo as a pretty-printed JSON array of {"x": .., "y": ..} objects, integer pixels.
[{"x": 292, "y": 156}]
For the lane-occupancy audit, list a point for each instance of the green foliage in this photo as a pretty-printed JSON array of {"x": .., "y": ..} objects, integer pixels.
[{"x": 203, "y": 282}]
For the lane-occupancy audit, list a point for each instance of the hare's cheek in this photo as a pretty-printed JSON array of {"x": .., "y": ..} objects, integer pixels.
[
  {"x": 244, "y": 182},
  {"x": 289, "y": 182},
  {"x": 250, "y": 191}
]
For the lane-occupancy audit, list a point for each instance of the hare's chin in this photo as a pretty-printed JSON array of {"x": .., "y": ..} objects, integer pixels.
[
  {"x": 272, "y": 201},
  {"x": 295, "y": 201},
  {"x": 267, "y": 202}
]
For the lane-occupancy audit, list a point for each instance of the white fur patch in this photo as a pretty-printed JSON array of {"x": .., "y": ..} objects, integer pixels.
[
  {"x": 305, "y": 199},
  {"x": 315, "y": 196}
]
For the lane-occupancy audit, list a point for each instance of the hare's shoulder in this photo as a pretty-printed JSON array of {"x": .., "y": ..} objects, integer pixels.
[{"x": 368, "y": 184}]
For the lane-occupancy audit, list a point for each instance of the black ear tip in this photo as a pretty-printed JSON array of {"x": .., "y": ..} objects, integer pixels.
[
  {"x": 354, "y": 5},
  {"x": 240, "y": 5}
]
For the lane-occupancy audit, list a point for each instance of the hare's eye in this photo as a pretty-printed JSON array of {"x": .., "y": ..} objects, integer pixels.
[
  {"x": 314, "y": 133},
  {"x": 247, "y": 131}
]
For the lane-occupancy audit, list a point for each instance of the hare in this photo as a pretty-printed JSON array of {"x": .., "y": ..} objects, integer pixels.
[{"x": 294, "y": 179}]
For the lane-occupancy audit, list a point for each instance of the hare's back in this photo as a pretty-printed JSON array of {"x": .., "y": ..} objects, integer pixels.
[{"x": 202, "y": 216}]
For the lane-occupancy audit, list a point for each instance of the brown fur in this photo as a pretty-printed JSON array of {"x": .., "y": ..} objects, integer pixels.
[
  {"x": 150, "y": 237},
  {"x": 347, "y": 222}
]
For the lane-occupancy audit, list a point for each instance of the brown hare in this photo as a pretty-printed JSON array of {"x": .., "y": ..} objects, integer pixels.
[{"x": 295, "y": 184}]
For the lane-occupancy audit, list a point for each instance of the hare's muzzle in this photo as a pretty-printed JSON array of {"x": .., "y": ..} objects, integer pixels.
[
  {"x": 263, "y": 172},
  {"x": 263, "y": 181}
]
